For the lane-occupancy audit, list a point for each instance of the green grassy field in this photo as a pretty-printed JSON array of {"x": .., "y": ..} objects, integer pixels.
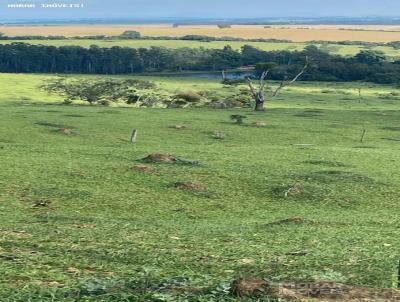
[
  {"x": 299, "y": 199},
  {"x": 268, "y": 46}
]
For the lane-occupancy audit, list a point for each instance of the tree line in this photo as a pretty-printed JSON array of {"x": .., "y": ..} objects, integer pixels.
[
  {"x": 365, "y": 66},
  {"x": 135, "y": 35}
]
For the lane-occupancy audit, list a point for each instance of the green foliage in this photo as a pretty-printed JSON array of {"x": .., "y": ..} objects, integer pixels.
[
  {"x": 189, "y": 96},
  {"x": 366, "y": 66},
  {"x": 94, "y": 91},
  {"x": 261, "y": 67},
  {"x": 130, "y": 34},
  {"x": 238, "y": 119},
  {"x": 371, "y": 57},
  {"x": 224, "y": 26}
]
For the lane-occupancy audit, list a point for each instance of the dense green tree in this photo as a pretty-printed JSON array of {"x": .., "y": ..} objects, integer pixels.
[
  {"x": 371, "y": 57},
  {"x": 365, "y": 66},
  {"x": 130, "y": 34},
  {"x": 96, "y": 90}
]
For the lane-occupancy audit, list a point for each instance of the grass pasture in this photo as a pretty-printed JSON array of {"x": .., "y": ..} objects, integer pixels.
[
  {"x": 292, "y": 33},
  {"x": 299, "y": 199}
]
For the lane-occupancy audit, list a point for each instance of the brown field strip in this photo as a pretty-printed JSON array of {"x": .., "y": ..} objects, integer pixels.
[{"x": 293, "y": 33}]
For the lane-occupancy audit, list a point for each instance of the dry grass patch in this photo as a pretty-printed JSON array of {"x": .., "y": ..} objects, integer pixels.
[{"x": 293, "y": 33}]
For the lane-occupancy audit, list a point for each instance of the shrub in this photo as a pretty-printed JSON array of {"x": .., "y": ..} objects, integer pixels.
[
  {"x": 219, "y": 135},
  {"x": 95, "y": 90},
  {"x": 105, "y": 102},
  {"x": 67, "y": 102},
  {"x": 234, "y": 82},
  {"x": 189, "y": 96},
  {"x": 130, "y": 34},
  {"x": 238, "y": 119},
  {"x": 154, "y": 99}
]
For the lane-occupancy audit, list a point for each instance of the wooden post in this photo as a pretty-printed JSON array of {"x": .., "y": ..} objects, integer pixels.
[
  {"x": 134, "y": 136},
  {"x": 363, "y": 135},
  {"x": 398, "y": 276}
]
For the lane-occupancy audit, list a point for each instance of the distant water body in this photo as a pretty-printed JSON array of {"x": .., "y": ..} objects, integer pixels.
[{"x": 211, "y": 75}]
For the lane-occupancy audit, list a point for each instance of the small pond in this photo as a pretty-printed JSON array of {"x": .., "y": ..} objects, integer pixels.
[{"x": 211, "y": 75}]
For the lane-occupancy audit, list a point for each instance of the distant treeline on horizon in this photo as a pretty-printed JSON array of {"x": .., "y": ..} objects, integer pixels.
[
  {"x": 134, "y": 35},
  {"x": 368, "y": 65}
]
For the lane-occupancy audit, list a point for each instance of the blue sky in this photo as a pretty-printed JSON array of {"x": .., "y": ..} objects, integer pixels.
[{"x": 205, "y": 8}]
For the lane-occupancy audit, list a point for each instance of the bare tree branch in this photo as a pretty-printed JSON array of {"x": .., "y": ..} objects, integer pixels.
[
  {"x": 284, "y": 84},
  {"x": 262, "y": 84},
  {"x": 252, "y": 89}
]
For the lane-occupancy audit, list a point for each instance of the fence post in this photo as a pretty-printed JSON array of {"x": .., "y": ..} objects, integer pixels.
[{"x": 134, "y": 136}]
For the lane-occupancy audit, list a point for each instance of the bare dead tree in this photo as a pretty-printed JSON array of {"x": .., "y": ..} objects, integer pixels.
[{"x": 259, "y": 93}]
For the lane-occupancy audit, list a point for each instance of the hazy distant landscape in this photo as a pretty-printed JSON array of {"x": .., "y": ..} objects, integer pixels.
[{"x": 303, "y": 33}]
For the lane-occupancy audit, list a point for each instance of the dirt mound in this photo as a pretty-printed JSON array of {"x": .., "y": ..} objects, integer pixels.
[
  {"x": 260, "y": 124},
  {"x": 190, "y": 186},
  {"x": 167, "y": 159},
  {"x": 65, "y": 131},
  {"x": 160, "y": 158},
  {"x": 251, "y": 288},
  {"x": 143, "y": 169},
  {"x": 180, "y": 127},
  {"x": 322, "y": 291}
]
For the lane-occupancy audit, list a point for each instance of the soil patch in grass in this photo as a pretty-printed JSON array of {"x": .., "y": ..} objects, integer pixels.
[
  {"x": 144, "y": 169},
  {"x": 310, "y": 291},
  {"x": 167, "y": 159},
  {"x": 65, "y": 131}
]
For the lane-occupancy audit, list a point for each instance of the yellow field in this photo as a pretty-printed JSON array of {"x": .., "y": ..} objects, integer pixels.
[{"x": 293, "y": 33}]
